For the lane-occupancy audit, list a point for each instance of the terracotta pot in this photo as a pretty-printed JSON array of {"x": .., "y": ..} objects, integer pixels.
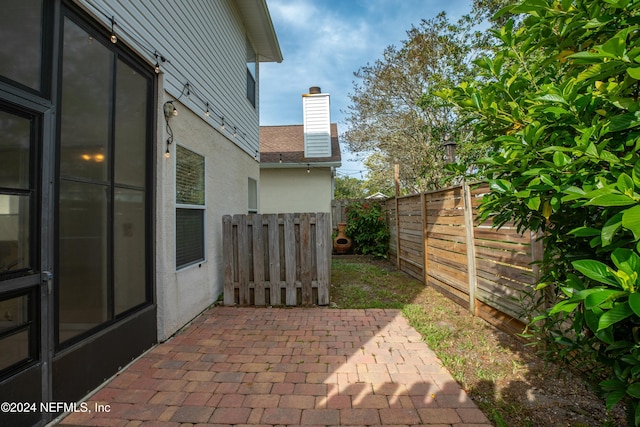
[{"x": 341, "y": 244}]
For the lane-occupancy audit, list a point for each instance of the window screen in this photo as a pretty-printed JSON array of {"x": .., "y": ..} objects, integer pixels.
[{"x": 190, "y": 207}]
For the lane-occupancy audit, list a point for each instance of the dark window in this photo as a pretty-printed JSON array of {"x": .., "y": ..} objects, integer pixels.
[
  {"x": 251, "y": 88},
  {"x": 21, "y": 31},
  {"x": 102, "y": 220},
  {"x": 16, "y": 194},
  {"x": 190, "y": 201},
  {"x": 251, "y": 73},
  {"x": 189, "y": 236},
  {"x": 253, "y": 195}
]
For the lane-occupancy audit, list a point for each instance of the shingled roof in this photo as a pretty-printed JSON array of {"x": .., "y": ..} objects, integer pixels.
[{"x": 285, "y": 144}]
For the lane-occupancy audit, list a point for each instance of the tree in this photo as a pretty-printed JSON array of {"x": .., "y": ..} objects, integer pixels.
[
  {"x": 380, "y": 175},
  {"x": 558, "y": 104},
  {"x": 349, "y": 188},
  {"x": 394, "y": 109},
  {"x": 395, "y": 113}
]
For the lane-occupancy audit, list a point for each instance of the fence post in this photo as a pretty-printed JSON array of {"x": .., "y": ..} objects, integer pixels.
[
  {"x": 323, "y": 256},
  {"x": 537, "y": 254},
  {"x": 274, "y": 259},
  {"x": 290, "y": 259},
  {"x": 305, "y": 258},
  {"x": 228, "y": 255},
  {"x": 396, "y": 177},
  {"x": 258, "y": 260},
  {"x": 425, "y": 236},
  {"x": 471, "y": 251},
  {"x": 243, "y": 259}
]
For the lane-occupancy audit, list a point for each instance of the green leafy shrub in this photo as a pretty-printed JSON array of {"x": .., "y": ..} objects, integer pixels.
[
  {"x": 558, "y": 102},
  {"x": 367, "y": 228}
]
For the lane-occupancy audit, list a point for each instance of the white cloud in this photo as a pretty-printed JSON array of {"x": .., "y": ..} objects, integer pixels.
[{"x": 320, "y": 47}]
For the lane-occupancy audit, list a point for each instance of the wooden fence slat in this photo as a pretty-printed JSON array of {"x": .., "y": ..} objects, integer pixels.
[
  {"x": 274, "y": 259},
  {"x": 290, "y": 258},
  {"x": 305, "y": 258},
  {"x": 243, "y": 261},
  {"x": 228, "y": 261},
  {"x": 471, "y": 254},
  {"x": 258, "y": 260},
  {"x": 323, "y": 254},
  {"x": 425, "y": 238}
]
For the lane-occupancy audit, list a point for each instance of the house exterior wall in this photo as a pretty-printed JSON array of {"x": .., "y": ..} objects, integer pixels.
[
  {"x": 204, "y": 43},
  {"x": 184, "y": 293},
  {"x": 295, "y": 190}
]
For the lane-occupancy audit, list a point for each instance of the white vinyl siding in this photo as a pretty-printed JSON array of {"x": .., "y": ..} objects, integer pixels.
[
  {"x": 204, "y": 43},
  {"x": 317, "y": 125}
]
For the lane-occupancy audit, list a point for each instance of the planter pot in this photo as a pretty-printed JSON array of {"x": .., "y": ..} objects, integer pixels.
[{"x": 341, "y": 244}]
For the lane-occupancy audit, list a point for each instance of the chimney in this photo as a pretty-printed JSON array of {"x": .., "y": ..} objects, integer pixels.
[{"x": 317, "y": 123}]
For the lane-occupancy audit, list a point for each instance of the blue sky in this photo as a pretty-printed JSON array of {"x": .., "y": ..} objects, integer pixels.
[{"x": 324, "y": 42}]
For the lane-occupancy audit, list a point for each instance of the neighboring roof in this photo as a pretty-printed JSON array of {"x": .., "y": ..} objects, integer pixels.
[
  {"x": 284, "y": 145},
  {"x": 257, "y": 20},
  {"x": 377, "y": 195}
]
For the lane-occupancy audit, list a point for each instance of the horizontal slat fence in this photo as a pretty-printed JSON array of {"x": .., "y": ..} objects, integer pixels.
[
  {"x": 446, "y": 243},
  {"x": 503, "y": 263},
  {"x": 277, "y": 259},
  {"x": 436, "y": 237},
  {"x": 410, "y": 230}
]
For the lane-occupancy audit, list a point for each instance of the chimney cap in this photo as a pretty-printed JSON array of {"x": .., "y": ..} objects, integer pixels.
[{"x": 314, "y": 90}]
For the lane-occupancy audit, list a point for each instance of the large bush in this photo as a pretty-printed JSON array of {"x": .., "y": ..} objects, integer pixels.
[
  {"x": 367, "y": 228},
  {"x": 558, "y": 102}
]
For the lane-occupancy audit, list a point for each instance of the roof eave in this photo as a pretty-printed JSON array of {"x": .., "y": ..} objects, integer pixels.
[
  {"x": 257, "y": 20},
  {"x": 300, "y": 165}
]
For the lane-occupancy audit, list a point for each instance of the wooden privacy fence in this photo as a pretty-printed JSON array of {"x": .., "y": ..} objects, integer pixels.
[
  {"x": 277, "y": 259},
  {"x": 436, "y": 238}
]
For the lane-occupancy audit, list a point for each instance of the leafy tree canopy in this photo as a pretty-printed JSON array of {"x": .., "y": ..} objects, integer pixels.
[{"x": 349, "y": 188}]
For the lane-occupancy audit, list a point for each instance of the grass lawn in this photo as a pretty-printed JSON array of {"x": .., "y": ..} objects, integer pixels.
[{"x": 504, "y": 377}]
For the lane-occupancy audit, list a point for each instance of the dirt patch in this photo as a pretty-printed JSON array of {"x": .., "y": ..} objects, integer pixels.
[{"x": 503, "y": 376}]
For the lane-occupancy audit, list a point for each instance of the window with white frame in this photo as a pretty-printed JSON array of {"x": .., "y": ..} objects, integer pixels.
[
  {"x": 251, "y": 73},
  {"x": 190, "y": 207},
  {"x": 253, "y": 196}
]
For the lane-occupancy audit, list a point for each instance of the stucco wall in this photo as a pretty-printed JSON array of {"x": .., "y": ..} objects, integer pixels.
[
  {"x": 295, "y": 190},
  {"x": 182, "y": 294}
]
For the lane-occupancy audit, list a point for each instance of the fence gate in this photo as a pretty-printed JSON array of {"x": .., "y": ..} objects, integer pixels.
[{"x": 277, "y": 259}]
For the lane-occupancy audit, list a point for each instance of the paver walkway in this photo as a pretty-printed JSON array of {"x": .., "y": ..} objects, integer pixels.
[{"x": 289, "y": 367}]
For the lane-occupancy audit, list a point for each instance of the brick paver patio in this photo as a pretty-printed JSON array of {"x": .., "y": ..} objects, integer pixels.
[{"x": 285, "y": 367}]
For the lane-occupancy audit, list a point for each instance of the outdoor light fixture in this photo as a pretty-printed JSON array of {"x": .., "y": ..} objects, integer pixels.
[
  {"x": 169, "y": 111},
  {"x": 450, "y": 150},
  {"x": 159, "y": 58},
  {"x": 114, "y": 39}
]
